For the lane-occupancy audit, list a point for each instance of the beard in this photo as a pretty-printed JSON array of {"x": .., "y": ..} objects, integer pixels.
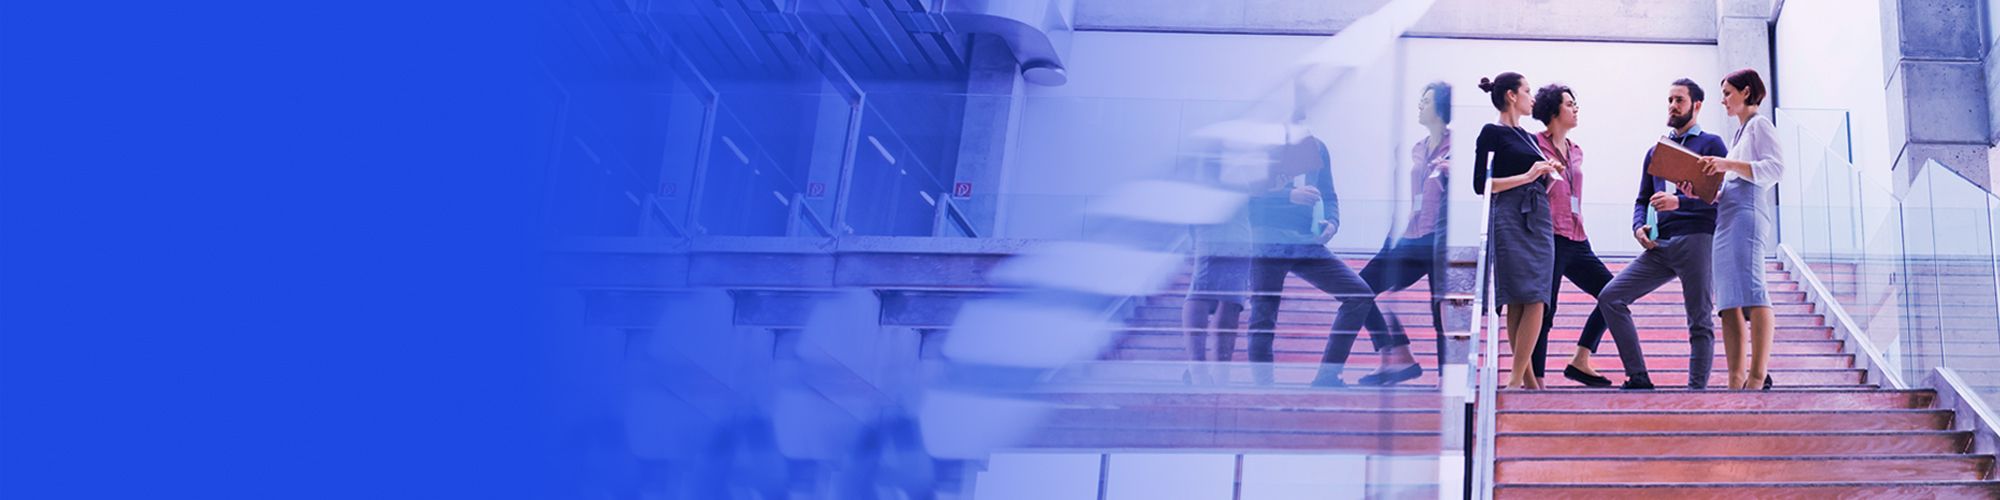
[{"x": 1677, "y": 121}]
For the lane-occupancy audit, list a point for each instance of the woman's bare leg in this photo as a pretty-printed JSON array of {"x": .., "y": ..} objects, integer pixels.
[
  {"x": 1761, "y": 331},
  {"x": 1226, "y": 316},
  {"x": 1527, "y": 321},
  {"x": 1513, "y": 327},
  {"x": 1732, "y": 346}
]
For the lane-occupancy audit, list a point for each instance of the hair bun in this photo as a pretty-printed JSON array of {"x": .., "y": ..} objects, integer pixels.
[{"x": 1485, "y": 84}]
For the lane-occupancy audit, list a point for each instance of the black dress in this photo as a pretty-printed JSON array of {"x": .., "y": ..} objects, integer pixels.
[{"x": 1522, "y": 238}]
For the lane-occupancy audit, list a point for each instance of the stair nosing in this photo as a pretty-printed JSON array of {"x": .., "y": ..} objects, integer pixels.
[
  {"x": 1293, "y": 409},
  {"x": 1383, "y": 433},
  {"x": 1782, "y": 388},
  {"x": 1791, "y": 484},
  {"x": 1679, "y": 390},
  {"x": 1747, "y": 411},
  {"x": 1729, "y": 433},
  {"x": 1764, "y": 458}
]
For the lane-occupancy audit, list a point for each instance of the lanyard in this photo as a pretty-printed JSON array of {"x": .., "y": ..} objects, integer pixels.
[{"x": 1537, "y": 147}]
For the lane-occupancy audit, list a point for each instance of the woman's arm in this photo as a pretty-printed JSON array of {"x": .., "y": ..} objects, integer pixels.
[
  {"x": 1540, "y": 169},
  {"x": 1482, "y": 150},
  {"x": 1766, "y": 163},
  {"x": 1502, "y": 184}
]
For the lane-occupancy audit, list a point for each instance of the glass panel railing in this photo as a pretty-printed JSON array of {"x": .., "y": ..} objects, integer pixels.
[
  {"x": 767, "y": 150},
  {"x": 1916, "y": 276},
  {"x": 915, "y": 287},
  {"x": 1849, "y": 231},
  {"x": 903, "y": 163},
  {"x": 1953, "y": 289},
  {"x": 1920, "y": 350}
]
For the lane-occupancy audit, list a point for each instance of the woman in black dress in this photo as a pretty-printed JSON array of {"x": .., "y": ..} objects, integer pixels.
[{"x": 1522, "y": 250}]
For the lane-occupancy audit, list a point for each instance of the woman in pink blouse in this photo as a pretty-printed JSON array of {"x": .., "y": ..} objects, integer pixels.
[
  {"x": 1555, "y": 106},
  {"x": 1416, "y": 254}
]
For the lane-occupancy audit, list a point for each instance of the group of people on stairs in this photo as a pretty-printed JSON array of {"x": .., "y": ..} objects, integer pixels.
[{"x": 1533, "y": 181}]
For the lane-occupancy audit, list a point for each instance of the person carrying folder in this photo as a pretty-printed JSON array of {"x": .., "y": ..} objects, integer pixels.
[
  {"x": 1288, "y": 238},
  {"x": 1521, "y": 238},
  {"x": 1744, "y": 216},
  {"x": 1680, "y": 248}
]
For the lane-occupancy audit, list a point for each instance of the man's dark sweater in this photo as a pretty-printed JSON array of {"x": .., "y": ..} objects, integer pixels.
[{"x": 1694, "y": 216}]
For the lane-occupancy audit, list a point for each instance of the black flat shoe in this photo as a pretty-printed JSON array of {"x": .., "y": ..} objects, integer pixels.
[
  {"x": 1767, "y": 381},
  {"x": 1639, "y": 383},
  {"x": 1393, "y": 377},
  {"x": 1570, "y": 372}
]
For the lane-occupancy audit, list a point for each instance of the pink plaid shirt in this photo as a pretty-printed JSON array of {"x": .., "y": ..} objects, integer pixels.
[
  {"x": 1427, "y": 175},
  {"x": 1568, "y": 223}
]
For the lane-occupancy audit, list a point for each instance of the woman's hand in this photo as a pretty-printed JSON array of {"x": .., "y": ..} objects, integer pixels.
[
  {"x": 1305, "y": 195},
  {"x": 1712, "y": 165},
  {"x": 1543, "y": 168}
]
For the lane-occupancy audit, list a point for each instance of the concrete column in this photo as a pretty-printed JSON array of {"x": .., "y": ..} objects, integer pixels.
[
  {"x": 1937, "y": 87},
  {"x": 994, "y": 96},
  {"x": 1743, "y": 38}
]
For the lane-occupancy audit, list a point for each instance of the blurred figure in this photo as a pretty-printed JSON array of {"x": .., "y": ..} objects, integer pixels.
[
  {"x": 1407, "y": 259},
  {"x": 1681, "y": 248},
  {"x": 1555, "y": 106},
  {"x": 1744, "y": 216},
  {"x": 1289, "y": 239},
  {"x": 1521, "y": 238},
  {"x": 1217, "y": 290}
]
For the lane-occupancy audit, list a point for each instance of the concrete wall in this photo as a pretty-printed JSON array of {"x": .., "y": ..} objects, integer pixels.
[
  {"x": 1681, "y": 21},
  {"x": 1130, "y": 101},
  {"x": 1133, "y": 96}
]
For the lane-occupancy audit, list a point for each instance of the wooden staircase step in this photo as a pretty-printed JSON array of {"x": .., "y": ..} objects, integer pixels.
[
  {"x": 1713, "y": 444},
  {"x": 1682, "y": 399},
  {"x": 1740, "y": 469},
  {"x": 1760, "y": 490},
  {"x": 1723, "y": 421}
]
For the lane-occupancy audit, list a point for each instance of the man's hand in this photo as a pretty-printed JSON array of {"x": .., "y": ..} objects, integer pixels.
[
  {"x": 1305, "y": 195},
  {"x": 1326, "y": 231},
  {"x": 1665, "y": 202},
  {"x": 1644, "y": 241}
]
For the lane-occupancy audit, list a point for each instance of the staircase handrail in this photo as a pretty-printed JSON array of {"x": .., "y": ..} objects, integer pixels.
[
  {"x": 1850, "y": 333},
  {"x": 1487, "y": 399}
]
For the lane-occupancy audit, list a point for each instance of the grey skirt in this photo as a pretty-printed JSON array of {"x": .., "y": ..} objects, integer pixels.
[
  {"x": 1742, "y": 217},
  {"x": 1523, "y": 245}
]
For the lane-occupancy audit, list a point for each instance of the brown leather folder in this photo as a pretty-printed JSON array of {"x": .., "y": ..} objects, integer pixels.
[{"x": 1676, "y": 164}]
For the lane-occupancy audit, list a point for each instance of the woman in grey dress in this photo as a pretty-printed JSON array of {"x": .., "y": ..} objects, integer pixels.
[
  {"x": 1744, "y": 217},
  {"x": 1522, "y": 237}
]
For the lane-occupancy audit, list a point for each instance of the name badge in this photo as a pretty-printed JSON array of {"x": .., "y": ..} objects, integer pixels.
[{"x": 1575, "y": 205}]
